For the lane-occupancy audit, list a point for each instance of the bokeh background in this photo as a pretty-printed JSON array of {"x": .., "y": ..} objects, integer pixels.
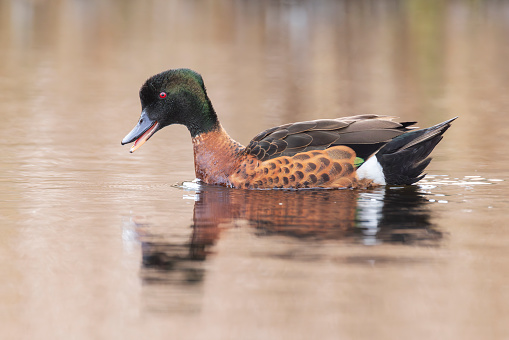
[{"x": 78, "y": 212}]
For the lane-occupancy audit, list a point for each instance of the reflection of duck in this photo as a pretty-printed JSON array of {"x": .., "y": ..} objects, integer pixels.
[
  {"x": 356, "y": 151},
  {"x": 389, "y": 214},
  {"x": 287, "y": 225},
  {"x": 302, "y": 213},
  {"x": 383, "y": 215}
]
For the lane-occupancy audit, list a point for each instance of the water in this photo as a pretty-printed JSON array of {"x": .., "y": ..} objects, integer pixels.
[{"x": 100, "y": 243}]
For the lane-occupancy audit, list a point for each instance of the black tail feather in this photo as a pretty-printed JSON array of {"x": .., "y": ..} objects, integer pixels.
[{"x": 405, "y": 157}]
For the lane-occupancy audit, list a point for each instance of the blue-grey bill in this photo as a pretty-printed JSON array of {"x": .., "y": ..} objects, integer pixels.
[{"x": 141, "y": 132}]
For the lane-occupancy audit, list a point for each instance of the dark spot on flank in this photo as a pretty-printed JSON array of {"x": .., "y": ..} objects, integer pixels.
[
  {"x": 345, "y": 154},
  {"x": 285, "y": 180},
  {"x": 292, "y": 178},
  {"x": 299, "y": 166},
  {"x": 246, "y": 185},
  {"x": 325, "y": 178},
  {"x": 276, "y": 180},
  {"x": 305, "y": 184},
  {"x": 269, "y": 180},
  {"x": 258, "y": 182},
  {"x": 324, "y": 160},
  {"x": 316, "y": 153},
  {"x": 251, "y": 161},
  {"x": 265, "y": 170},
  {"x": 238, "y": 171},
  {"x": 313, "y": 178},
  {"x": 299, "y": 174},
  {"x": 348, "y": 169},
  {"x": 336, "y": 168},
  {"x": 338, "y": 153},
  {"x": 286, "y": 170},
  {"x": 279, "y": 170},
  {"x": 279, "y": 161},
  {"x": 286, "y": 160},
  {"x": 272, "y": 166},
  {"x": 301, "y": 157},
  {"x": 310, "y": 167}
]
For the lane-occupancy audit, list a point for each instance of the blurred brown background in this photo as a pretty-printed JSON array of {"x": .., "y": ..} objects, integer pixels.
[{"x": 72, "y": 247}]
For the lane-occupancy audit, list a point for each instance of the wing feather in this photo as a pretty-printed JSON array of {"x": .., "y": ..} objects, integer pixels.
[{"x": 364, "y": 132}]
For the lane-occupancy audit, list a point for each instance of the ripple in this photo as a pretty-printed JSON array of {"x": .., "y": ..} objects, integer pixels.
[
  {"x": 432, "y": 181},
  {"x": 194, "y": 185}
]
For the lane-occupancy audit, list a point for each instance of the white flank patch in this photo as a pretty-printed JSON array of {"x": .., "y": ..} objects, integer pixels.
[{"x": 371, "y": 169}]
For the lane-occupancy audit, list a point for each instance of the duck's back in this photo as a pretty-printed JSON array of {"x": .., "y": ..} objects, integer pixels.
[
  {"x": 355, "y": 151},
  {"x": 364, "y": 134}
]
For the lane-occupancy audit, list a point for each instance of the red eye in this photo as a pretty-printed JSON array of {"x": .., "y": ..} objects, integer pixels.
[{"x": 162, "y": 95}]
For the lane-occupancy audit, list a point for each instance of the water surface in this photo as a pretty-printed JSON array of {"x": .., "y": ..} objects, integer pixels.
[{"x": 100, "y": 243}]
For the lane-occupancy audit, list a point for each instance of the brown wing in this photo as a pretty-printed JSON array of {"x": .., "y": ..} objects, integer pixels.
[{"x": 365, "y": 134}]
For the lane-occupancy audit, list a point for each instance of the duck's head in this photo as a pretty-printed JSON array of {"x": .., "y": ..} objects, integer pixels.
[{"x": 173, "y": 97}]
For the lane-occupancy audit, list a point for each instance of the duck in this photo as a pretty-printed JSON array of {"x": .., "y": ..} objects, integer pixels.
[{"x": 359, "y": 151}]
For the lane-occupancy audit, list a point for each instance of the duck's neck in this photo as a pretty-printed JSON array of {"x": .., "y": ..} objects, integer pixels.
[{"x": 216, "y": 156}]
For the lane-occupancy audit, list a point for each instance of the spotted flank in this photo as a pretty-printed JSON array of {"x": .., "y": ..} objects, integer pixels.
[
  {"x": 330, "y": 168},
  {"x": 348, "y": 152}
]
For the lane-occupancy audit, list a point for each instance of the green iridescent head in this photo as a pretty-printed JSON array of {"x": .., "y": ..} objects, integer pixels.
[{"x": 173, "y": 97}]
